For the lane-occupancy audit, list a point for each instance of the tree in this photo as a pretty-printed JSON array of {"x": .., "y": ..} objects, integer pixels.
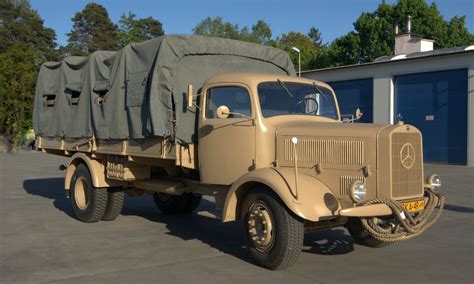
[
  {"x": 315, "y": 35},
  {"x": 216, "y": 27},
  {"x": 259, "y": 33},
  {"x": 299, "y": 40},
  {"x": 458, "y": 33},
  {"x": 92, "y": 30},
  {"x": 138, "y": 30},
  {"x": 20, "y": 24},
  {"x": 17, "y": 81}
]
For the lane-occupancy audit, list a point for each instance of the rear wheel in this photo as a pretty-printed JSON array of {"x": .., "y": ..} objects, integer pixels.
[
  {"x": 361, "y": 236},
  {"x": 88, "y": 203},
  {"x": 115, "y": 197},
  {"x": 274, "y": 236},
  {"x": 184, "y": 203}
]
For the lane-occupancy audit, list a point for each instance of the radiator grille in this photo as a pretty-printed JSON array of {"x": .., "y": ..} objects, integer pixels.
[
  {"x": 345, "y": 183},
  {"x": 407, "y": 177},
  {"x": 342, "y": 152}
]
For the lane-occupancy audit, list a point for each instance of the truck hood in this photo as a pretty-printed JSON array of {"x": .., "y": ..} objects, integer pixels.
[{"x": 331, "y": 129}]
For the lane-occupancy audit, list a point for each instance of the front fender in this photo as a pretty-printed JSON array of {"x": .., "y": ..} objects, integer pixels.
[{"x": 315, "y": 199}]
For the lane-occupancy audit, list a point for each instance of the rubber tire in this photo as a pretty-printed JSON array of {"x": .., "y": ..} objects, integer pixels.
[
  {"x": 114, "y": 206},
  {"x": 361, "y": 236},
  {"x": 289, "y": 231},
  {"x": 97, "y": 197},
  {"x": 174, "y": 204}
]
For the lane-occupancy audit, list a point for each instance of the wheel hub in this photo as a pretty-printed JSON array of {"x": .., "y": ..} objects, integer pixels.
[
  {"x": 260, "y": 226},
  {"x": 80, "y": 193}
]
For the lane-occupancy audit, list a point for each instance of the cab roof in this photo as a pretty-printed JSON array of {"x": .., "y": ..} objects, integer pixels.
[{"x": 253, "y": 79}]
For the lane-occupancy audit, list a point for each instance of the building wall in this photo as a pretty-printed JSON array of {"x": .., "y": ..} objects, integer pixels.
[{"x": 383, "y": 87}]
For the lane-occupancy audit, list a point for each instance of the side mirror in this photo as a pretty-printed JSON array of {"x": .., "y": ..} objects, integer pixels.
[
  {"x": 223, "y": 112},
  {"x": 190, "y": 96},
  {"x": 358, "y": 114}
]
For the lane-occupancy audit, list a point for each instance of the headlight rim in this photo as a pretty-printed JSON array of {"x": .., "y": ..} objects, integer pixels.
[
  {"x": 356, "y": 185},
  {"x": 434, "y": 181}
]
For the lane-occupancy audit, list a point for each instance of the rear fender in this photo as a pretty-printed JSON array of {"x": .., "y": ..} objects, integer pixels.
[
  {"x": 315, "y": 199},
  {"x": 96, "y": 169}
]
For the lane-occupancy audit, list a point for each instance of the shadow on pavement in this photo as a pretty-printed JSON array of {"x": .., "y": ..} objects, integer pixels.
[
  {"x": 51, "y": 188},
  {"x": 328, "y": 242},
  {"x": 226, "y": 237},
  {"x": 457, "y": 208}
]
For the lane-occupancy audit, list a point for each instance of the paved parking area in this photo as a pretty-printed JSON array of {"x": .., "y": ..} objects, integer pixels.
[{"x": 40, "y": 241}]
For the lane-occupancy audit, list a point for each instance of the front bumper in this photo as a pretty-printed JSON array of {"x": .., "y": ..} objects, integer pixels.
[
  {"x": 370, "y": 210},
  {"x": 400, "y": 223}
]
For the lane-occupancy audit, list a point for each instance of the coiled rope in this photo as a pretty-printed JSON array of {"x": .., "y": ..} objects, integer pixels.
[{"x": 408, "y": 226}]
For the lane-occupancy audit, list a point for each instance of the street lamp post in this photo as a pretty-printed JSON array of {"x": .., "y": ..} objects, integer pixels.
[{"x": 299, "y": 60}]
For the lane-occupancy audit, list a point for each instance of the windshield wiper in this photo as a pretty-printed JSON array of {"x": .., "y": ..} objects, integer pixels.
[
  {"x": 319, "y": 91},
  {"x": 284, "y": 87}
]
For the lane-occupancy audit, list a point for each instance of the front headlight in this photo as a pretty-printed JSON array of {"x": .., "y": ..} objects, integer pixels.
[
  {"x": 434, "y": 181},
  {"x": 358, "y": 191}
]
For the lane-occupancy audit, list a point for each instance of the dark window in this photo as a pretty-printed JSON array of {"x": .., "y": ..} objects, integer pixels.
[
  {"x": 235, "y": 98},
  {"x": 355, "y": 94},
  {"x": 436, "y": 103}
]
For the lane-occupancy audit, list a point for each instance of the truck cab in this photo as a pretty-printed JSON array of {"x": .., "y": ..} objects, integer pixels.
[{"x": 240, "y": 114}]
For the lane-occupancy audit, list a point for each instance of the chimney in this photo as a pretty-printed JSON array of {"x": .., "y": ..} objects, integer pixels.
[
  {"x": 410, "y": 42},
  {"x": 396, "y": 27}
]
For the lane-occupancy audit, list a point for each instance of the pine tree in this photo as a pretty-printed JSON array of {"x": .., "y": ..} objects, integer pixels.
[
  {"x": 19, "y": 24},
  {"x": 92, "y": 30},
  {"x": 137, "y": 30}
]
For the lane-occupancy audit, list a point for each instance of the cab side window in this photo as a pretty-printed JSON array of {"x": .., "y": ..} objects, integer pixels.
[{"x": 237, "y": 99}]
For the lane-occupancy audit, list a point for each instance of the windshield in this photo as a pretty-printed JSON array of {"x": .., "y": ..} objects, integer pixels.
[{"x": 283, "y": 98}]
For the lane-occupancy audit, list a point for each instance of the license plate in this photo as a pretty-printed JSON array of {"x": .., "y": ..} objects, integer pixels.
[{"x": 414, "y": 206}]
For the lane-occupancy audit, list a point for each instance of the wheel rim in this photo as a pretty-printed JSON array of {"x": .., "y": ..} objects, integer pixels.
[
  {"x": 260, "y": 226},
  {"x": 80, "y": 193}
]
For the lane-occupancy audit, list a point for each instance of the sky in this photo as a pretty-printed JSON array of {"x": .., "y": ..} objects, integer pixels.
[{"x": 332, "y": 17}]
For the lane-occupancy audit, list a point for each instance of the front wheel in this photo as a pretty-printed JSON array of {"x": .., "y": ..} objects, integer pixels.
[{"x": 273, "y": 234}]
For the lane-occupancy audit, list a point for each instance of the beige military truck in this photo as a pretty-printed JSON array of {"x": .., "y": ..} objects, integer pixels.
[{"x": 179, "y": 117}]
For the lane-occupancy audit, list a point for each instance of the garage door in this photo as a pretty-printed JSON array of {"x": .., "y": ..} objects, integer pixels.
[
  {"x": 436, "y": 103},
  {"x": 355, "y": 94}
]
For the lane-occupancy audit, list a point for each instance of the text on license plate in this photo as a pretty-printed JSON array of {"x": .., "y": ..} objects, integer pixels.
[{"x": 413, "y": 206}]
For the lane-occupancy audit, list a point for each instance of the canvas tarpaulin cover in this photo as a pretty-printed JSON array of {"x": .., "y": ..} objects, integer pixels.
[{"x": 140, "y": 91}]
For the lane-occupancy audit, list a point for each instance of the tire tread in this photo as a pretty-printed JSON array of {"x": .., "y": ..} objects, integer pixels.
[{"x": 114, "y": 205}]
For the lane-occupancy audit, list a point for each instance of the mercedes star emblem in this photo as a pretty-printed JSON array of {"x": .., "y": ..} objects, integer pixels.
[{"x": 407, "y": 155}]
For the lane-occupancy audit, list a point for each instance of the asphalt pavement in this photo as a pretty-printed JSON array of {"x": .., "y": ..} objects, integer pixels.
[{"x": 41, "y": 242}]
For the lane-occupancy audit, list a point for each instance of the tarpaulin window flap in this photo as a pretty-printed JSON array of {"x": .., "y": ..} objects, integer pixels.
[
  {"x": 74, "y": 87},
  {"x": 101, "y": 86}
]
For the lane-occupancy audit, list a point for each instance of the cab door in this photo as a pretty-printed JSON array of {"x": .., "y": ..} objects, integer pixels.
[{"x": 226, "y": 142}]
